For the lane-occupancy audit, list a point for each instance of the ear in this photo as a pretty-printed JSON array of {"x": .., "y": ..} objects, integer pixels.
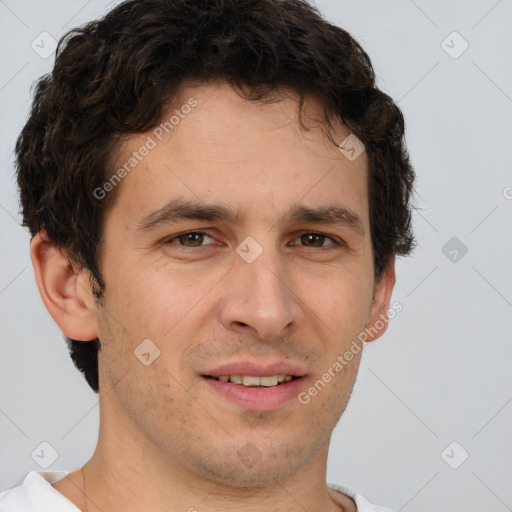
[
  {"x": 378, "y": 319},
  {"x": 65, "y": 291}
]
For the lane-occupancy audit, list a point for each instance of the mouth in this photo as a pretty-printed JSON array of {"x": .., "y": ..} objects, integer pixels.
[
  {"x": 253, "y": 381},
  {"x": 256, "y": 387}
]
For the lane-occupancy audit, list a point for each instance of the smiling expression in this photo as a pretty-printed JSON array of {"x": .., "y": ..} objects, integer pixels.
[{"x": 240, "y": 246}]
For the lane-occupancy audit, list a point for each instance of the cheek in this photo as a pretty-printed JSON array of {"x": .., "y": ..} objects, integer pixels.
[
  {"x": 165, "y": 305},
  {"x": 154, "y": 402},
  {"x": 341, "y": 301},
  {"x": 328, "y": 395},
  {"x": 152, "y": 301}
]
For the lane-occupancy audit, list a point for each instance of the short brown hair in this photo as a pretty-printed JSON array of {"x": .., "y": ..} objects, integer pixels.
[{"x": 116, "y": 75}]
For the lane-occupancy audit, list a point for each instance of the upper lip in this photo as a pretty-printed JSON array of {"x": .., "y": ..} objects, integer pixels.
[{"x": 256, "y": 369}]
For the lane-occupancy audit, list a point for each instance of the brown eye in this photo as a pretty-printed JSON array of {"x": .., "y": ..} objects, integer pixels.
[
  {"x": 315, "y": 240},
  {"x": 191, "y": 239}
]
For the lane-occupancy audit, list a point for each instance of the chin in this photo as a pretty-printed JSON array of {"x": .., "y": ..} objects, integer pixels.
[{"x": 250, "y": 468}]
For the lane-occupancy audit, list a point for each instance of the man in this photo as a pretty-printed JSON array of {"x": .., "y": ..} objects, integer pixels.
[{"x": 216, "y": 191}]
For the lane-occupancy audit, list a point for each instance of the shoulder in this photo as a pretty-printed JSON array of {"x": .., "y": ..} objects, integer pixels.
[
  {"x": 36, "y": 494},
  {"x": 363, "y": 505}
]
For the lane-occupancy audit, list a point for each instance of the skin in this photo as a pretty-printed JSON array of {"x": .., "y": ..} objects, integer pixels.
[{"x": 167, "y": 441}]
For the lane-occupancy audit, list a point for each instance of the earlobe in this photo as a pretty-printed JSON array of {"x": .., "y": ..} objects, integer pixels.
[
  {"x": 378, "y": 320},
  {"x": 63, "y": 289}
]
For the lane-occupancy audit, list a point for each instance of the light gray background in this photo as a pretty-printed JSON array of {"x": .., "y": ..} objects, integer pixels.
[{"x": 442, "y": 372}]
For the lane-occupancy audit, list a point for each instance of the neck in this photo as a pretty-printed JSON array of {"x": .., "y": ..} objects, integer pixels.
[{"x": 133, "y": 484}]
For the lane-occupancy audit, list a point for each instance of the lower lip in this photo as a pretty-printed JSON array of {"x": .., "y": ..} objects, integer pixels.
[{"x": 258, "y": 399}]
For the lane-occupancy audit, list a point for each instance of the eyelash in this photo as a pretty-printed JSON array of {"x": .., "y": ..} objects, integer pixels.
[{"x": 334, "y": 241}]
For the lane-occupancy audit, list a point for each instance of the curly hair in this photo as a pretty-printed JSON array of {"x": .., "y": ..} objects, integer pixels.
[{"x": 116, "y": 76}]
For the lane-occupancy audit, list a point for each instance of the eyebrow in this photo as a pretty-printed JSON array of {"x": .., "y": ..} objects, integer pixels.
[
  {"x": 178, "y": 210},
  {"x": 329, "y": 215}
]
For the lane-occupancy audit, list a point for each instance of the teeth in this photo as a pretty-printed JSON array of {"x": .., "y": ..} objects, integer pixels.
[
  {"x": 269, "y": 381},
  {"x": 251, "y": 380}
]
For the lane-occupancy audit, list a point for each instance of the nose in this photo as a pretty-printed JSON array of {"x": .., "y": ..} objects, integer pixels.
[{"x": 260, "y": 299}]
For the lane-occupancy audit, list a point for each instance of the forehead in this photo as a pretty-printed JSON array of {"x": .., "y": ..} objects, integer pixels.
[{"x": 213, "y": 145}]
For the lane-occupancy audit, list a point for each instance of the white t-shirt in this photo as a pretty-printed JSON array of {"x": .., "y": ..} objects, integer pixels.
[{"x": 36, "y": 494}]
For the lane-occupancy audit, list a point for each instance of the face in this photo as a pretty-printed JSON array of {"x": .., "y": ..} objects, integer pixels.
[{"x": 239, "y": 245}]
